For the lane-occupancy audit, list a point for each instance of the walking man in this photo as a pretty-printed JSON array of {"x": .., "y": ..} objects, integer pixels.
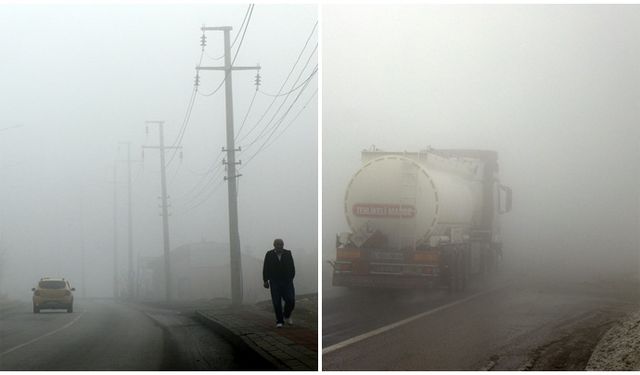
[{"x": 278, "y": 272}]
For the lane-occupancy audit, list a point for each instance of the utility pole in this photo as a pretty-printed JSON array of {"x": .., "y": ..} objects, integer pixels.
[
  {"x": 165, "y": 209},
  {"x": 130, "y": 281},
  {"x": 234, "y": 236},
  {"x": 115, "y": 230},
  {"x": 84, "y": 280}
]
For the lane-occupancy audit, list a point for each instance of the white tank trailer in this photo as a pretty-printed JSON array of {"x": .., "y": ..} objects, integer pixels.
[{"x": 421, "y": 218}]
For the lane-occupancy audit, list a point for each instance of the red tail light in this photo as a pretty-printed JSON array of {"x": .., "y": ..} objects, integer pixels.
[
  {"x": 36, "y": 293},
  {"x": 67, "y": 293},
  {"x": 342, "y": 267}
]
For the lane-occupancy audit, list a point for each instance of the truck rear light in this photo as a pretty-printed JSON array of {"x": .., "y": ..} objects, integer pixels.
[
  {"x": 67, "y": 292},
  {"x": 427, "y": 270},
  {"x": 36, "y": 293},
  {"x": 342, "y": 267},
  {"x": 426, "y": 257},
  {"x": 348, "y": 254}
]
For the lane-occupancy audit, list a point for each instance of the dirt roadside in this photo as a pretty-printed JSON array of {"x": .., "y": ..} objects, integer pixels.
[
  {"x": 604, "y": 336},
  {"x": 619, "y": 349}
]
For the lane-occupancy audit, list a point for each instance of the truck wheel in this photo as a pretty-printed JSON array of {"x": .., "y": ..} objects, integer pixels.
[
  {"x": 464, "y": 269},
  {"x": 36, "y": 310},
  {"x": 454, "y": 268},
  {"x": 450, "y": 272},
  {"x": 70, "y": 309}
]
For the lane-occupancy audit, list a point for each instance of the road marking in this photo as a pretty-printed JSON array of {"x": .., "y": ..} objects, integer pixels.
[
  {"x": 43, "y": 336},
  {"x": 391, "y": 326}
]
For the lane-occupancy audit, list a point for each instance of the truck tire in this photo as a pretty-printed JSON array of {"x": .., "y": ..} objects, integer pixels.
[
  {"x": 455, "y": 271},
  {"x": 36, "y": 310},
  {"x": 465, "y": 266},
  {"x": 70, "y": 309}
]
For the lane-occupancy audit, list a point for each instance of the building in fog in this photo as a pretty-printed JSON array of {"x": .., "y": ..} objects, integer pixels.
[{"x": 199, "y": 271}]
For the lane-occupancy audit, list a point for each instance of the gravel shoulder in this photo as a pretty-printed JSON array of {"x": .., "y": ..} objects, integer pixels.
[{"x": 619, "y": 349}]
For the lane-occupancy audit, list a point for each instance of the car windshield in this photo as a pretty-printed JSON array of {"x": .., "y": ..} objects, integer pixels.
[{"x": 52, "y": 284}]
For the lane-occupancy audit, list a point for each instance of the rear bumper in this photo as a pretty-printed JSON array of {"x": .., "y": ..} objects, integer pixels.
[
  {"x": 57, "y": 303},
  {"x": 383, "y": 281}
]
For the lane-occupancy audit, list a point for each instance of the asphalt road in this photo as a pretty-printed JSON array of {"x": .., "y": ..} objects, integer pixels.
[
  {"x": 106, "y": 335},
  {"x": 511, "y": 322}
]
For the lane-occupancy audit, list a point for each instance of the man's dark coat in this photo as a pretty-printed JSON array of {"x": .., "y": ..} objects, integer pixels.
[{"x": 278, "y": 270}]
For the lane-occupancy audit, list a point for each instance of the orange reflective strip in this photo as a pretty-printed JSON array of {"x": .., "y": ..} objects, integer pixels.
[
  {"x": 427, "y": 256},
  {"x": 348, "y": 254}
]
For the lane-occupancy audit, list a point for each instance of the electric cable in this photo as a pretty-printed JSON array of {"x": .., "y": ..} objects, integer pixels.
[
  {"x": 269, "y": 126},
  {"x": 283, "y": 83},
  {"x": 277, "y": 125},
  {"x": 237, "y": 35}
]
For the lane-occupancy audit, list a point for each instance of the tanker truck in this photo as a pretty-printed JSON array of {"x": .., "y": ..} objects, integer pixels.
[{"x": 421, "y": 219}]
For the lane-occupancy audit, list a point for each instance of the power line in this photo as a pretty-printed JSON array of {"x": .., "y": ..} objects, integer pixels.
[
  {"x": 269, "y": 125},
  {"x": 217, "y": 164},
  {"x": 293, "y": 119},
  {"x": 214, "y": 91},
  {"x": 235, "y": 55},
  {"x": 262, "y": 147},
  {"x": 250, "y": 7},
  {"x": 243, "y": 34},
  {"x": 183, "y": 128},
  {"x": 193, "y": 207},
  {"x": 306, "y": 43},
  {"x": 175, "y": 175},
  {"x": 293, "y": 89},
  {"x": 214, "y": 172},
  {"x": 244, "y": 120},
  {"x": 178, "y": 141}
]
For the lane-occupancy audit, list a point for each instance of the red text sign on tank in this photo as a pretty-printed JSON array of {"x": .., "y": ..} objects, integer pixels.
[{"x": 402, "y": 211}]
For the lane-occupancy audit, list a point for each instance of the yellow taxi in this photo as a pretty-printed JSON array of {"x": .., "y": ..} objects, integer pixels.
[{"x": 53, "y": 293}]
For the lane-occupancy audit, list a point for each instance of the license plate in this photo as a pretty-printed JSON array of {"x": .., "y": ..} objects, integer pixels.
[{"x": 381, "y": 255}]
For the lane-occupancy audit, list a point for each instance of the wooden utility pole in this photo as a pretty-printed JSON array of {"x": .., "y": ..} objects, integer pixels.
[
  {"x": 115, "y": 230},
  {"x": 130, "y": 278},
  {"x": 165, "y": 209},
  {"x": 234, "y": 236}
]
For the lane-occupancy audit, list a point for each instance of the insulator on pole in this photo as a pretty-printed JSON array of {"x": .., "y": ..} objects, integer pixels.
[
  {"x": 258, "y": 78},
  {"x": 203, "y": 40},
  {"x": 196, "y": 81}
]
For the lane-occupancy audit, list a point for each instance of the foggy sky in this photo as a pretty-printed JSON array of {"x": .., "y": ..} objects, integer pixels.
[
  {"x": 554, "y": 89},
  {"x": 80, "y": 79}
]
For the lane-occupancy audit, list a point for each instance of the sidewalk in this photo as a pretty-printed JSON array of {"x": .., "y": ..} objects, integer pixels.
[{"x": 253, "y": 326}]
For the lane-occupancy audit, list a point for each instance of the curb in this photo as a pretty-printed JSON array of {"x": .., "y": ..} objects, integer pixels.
[{"x": 237, "y": 340}]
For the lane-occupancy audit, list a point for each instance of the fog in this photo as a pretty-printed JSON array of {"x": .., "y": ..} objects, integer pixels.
[
  {"x": 77, "y": 80},
  {"x": 554, "y": 89}
]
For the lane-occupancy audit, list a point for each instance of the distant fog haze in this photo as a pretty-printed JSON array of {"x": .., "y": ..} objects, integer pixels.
[
  {"x": 554, "y": 89},
  {"x": 80, "y": 79}
]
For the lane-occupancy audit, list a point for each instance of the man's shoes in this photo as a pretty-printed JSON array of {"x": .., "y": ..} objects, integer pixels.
[
  {"x": 289, "y": 321},
  {"x": 279, "y": 325}
]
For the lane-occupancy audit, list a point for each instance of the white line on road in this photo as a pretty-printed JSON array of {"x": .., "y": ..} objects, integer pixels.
[
  {"x": 391, "y": 326},
  {"x": 43, "y": 336}
]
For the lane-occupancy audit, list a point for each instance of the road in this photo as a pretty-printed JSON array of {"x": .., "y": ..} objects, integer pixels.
[
  {"x": 107, "y": 335},
  {"x": 511, "y": 322}
]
